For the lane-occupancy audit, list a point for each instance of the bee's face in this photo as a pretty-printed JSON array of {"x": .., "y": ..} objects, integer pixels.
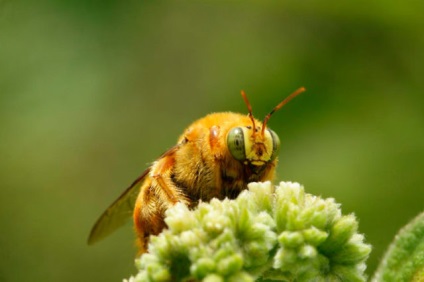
[{"x": 253, "y": 146}]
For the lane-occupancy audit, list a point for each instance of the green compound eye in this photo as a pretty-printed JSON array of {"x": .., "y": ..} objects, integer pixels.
[
  {"x": 275, "y": 144},
  {"x": 235, "y": 143}
]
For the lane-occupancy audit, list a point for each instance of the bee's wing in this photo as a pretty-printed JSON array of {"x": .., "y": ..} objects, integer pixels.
[{"x": 118, "y": 212}]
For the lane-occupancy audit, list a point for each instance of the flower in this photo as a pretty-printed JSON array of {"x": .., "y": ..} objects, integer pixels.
[{"x": 268, "y": 233}]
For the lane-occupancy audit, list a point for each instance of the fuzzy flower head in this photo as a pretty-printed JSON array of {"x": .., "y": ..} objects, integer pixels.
[{"x": 267, "y": 233}]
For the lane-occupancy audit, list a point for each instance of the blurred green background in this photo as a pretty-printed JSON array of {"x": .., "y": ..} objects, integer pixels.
[{"x": 91, "y": 92}]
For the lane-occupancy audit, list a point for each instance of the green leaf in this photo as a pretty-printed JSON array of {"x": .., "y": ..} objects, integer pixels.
[{"x": 404, "y": 260}]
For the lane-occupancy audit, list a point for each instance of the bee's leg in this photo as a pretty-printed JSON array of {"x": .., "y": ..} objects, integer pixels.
[
  {"x": 167, "y": 191},
  {"x": 148, "y": 215},
  {"x": 157, "y": 194}
]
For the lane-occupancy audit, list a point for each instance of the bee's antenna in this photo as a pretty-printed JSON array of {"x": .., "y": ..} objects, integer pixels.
[
  {"x": 249, "y": 108},
  {"x": 279, "y": 106}
]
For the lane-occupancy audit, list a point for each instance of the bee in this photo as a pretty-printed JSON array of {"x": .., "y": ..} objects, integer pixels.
[{"x": 215, "y": 157}]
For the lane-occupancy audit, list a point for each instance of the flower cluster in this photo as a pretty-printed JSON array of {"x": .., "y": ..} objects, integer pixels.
[{"x": 267, "y": 233}]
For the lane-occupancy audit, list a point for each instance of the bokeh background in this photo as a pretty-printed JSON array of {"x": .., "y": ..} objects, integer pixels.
[{"x": 91, "y": 92}]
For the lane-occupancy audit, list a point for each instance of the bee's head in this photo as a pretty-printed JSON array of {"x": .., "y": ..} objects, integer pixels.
[
  {"x": 252, "y": 146},
  {"x": 256, "y": 145}
]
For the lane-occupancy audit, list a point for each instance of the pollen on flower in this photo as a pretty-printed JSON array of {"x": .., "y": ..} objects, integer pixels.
[
  {"x": 181, "y": 218},
  {"x": 291, "y": 185}
]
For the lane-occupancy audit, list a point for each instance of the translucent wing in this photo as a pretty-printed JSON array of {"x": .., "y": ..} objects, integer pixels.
[{"x": 118, "y": 212}]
